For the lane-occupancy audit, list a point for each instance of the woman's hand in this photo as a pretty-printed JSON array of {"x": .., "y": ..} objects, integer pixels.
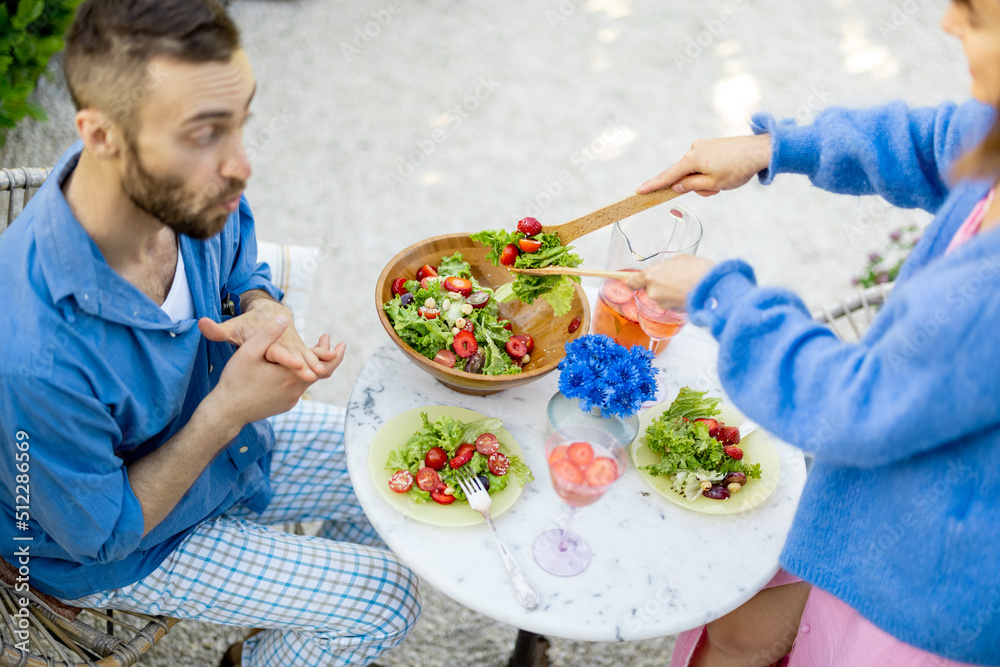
[
  {"x": 669, "y": 282},
  {"x": 715, "y": 164}
]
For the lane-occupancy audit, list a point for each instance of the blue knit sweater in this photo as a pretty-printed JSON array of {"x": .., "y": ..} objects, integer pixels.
[{"x": 900, "y": 517}]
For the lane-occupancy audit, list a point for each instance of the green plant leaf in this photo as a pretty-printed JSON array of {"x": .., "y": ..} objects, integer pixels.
[
  {"x": 25, "y": 52},
  {"x": 35, "y": 111},
  {"x": 49, "y": 46},
  {"x": 28, "y": 11}
]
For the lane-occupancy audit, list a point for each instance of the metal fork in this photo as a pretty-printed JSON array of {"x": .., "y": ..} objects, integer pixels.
[{"x": 479, "y": 500}]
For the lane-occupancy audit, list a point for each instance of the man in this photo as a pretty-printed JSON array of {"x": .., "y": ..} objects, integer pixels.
[{"x": 153, "y": 464}]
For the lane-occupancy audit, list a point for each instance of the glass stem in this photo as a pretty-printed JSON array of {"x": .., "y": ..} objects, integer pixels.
[{"x": 565, "y": 533}]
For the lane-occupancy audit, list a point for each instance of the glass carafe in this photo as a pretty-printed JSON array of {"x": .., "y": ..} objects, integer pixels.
[{"x": 637, "y": 242}]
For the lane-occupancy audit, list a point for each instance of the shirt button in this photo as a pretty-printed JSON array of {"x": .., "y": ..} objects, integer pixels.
[
  {"x": 173, "y": 335},
  {"x": 210, "y": 368},
  {"x": 243, "y": 450},
  {"x": 805, "y": 629}
]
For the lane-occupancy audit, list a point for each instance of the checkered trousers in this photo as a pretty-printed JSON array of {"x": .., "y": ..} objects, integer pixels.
[{"x": 337, "y": 599}]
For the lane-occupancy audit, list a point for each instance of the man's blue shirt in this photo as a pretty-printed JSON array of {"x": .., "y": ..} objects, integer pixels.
[{"x": 96, "y": 375}]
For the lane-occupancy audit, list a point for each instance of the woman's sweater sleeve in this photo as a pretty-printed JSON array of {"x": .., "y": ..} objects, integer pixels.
[
  {"x": 929, "y": 357},
  {"x": 902, "y": 154}
]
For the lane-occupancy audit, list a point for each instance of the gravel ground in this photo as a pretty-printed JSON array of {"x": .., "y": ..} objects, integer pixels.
[{"x": 381, "y": 123}]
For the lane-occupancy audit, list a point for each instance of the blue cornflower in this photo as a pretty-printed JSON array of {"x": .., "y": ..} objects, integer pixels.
[{"x": 606, "y": 375}]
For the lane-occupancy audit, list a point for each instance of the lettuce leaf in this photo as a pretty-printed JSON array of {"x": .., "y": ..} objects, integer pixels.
[
  {"x": 423, "y": 335},
  {"x": 556, "y": 290},
  {"x": 693, "y": 405},
  {"x": 685, "y": 445},
  {"x": 496, "y": 240},
  {"x": 455, "y": 266},
  {"x": 448, "y": 433},
  {"x": 560, "y": 297}
]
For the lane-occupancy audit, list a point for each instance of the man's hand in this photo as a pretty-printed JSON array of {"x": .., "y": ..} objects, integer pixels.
[
  {"x": 669, "y": 282},
  {"x": 251, "y": 388},
  {"x": 715, "y": 164},
  {"x": 290, "y": 351}
]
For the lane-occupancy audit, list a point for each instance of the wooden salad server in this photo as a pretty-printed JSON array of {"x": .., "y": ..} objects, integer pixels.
[{"x": 574, "y": 229}]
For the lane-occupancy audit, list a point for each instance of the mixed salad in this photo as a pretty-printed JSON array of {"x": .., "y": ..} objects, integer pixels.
[
  {"x": 425, "y": 466},
  {"x": 446, "y": 315},
  {"x": 701, "y": 452},
  {"x": 529, "y": 248}
]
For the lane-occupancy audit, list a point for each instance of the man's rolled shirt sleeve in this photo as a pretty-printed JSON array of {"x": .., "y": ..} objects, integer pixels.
[
  {"x": 241, "y": 271},
  {"x": 79, "y": 489}
]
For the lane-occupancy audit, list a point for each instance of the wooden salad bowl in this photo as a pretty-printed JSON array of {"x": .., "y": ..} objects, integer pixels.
[{"x": 551, "y": 333}]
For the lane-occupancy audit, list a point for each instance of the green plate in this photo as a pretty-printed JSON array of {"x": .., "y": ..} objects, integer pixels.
[
  {"x": 757, "y": 448},
  {"x": 397, "y": 431}
]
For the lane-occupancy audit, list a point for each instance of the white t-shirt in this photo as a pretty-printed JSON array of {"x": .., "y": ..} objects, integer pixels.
[{"x": 179, "y": 305}]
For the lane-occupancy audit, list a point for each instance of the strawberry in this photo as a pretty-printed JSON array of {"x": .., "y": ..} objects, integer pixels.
[
  {"x": 728, "y": 435},
  {"x": 429, "y": 313},
  {"x": 713, "y": 426},
  {"x": 442, "y": 498},
  {"x": 581, "y": 453},
  {"x": 560, "y": 452},
  {"x": 459, "y": 285},
  {"x": 601, "y": 472},
  {"x": 465, "y": 344},
  {"x": 460, "y": 460},
  {"x": 733, "y": 453},
  {"x": 509, "y": 254},
  {"x": 529, "y": 226},
  {"x": 465, "y": 448},
  {"x": 615, "y": 291}
]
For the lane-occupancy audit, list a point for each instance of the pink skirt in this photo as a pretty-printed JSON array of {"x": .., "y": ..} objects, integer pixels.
[{"x": 831, "y": 634}]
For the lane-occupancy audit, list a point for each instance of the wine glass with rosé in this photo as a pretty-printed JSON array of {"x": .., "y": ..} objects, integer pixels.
[
  {"x": 660, "y": 324},
  {"x": 583, "y": 462}
]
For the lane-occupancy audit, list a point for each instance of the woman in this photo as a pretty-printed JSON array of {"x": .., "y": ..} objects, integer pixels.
[{"x": 894, "y": 554}]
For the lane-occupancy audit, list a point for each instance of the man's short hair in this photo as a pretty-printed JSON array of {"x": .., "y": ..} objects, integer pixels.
[{"x": 111, "y": 43}]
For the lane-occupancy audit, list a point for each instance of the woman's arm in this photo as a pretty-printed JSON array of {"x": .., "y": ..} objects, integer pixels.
[
  {"x": 923, "y": 376},
  {"x": 904, "y": 155}
]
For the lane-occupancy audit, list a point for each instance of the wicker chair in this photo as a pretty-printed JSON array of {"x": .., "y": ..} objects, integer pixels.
[
  {"x": 851, "y": 317},
  {"x": 58, "y": 635}
]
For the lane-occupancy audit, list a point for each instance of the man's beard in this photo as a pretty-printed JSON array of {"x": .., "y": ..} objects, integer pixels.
[{"x": 167, "y": 200}]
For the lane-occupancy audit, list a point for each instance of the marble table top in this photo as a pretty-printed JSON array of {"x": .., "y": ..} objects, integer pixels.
[{"x": 657, "y": 568}]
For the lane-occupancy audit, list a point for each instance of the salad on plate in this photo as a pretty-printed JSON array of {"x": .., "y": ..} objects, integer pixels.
[
  {"x": 425, "y": 466},
  {"x": 446, "y": 315},
  {"x": 700, "y": 452},
  {"x": 529, "y": 248}
]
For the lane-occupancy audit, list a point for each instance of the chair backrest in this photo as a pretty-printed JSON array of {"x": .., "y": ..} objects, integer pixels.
[
  {"x": 850, "y": 318},
  {"x": 23, "y": 180},
  {"x": 59, "y": 634}
]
